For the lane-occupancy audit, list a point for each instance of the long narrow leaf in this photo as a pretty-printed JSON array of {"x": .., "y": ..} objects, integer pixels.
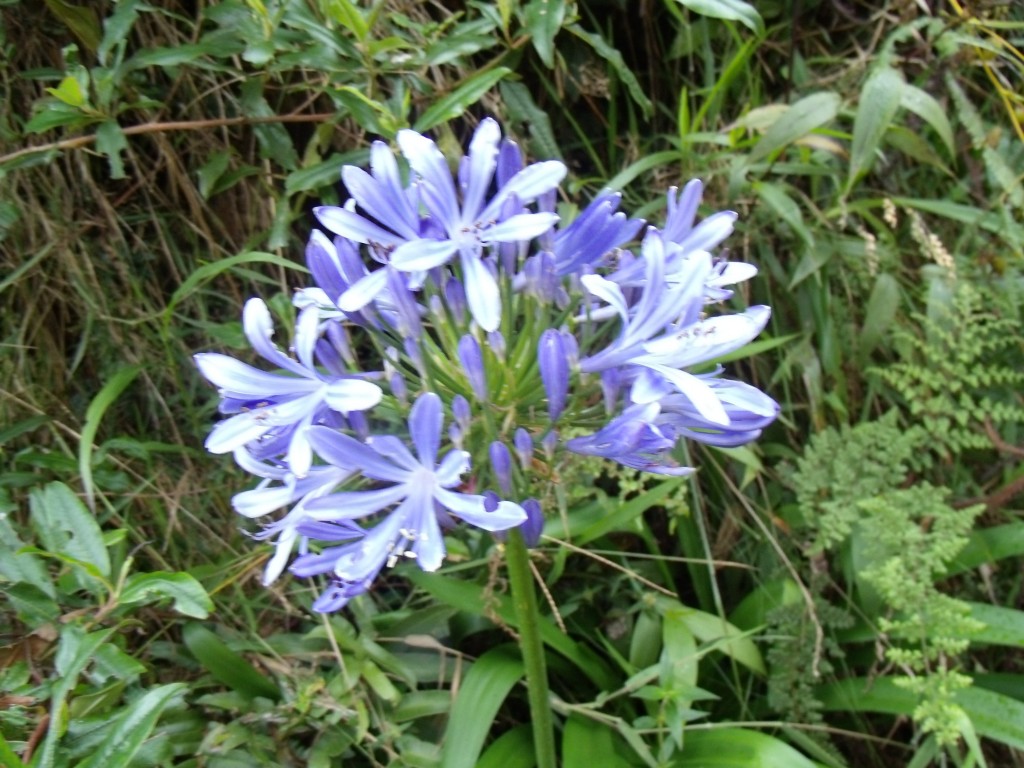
[{"x": 483, "y": 690}]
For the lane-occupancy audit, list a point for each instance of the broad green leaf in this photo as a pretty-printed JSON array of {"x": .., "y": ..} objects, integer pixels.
[
  {"x": 708, "y": 628},
  {"x": 211, "y": 171},
  {"x": 543, "y": 21},
  {"x": 74, "y": 653},
  {"x": 587, "y": 743},
  {"x": 226, "y": 665},
  {"x": 925, "y": 106},
  {"x": 752, "y": 611},
  {"x": 988, "y": 545},
  {"x": 55, "y": 114},
  {"x": 729, "y": 10},
  {"x": 483, "y": 690},
  {"x": 417, "y": 704},
  {"x": 69, "y": 91},
  {"x": 1003, "y": 626},
  {"x": 645, "y": 640},
  {"x": 513, "y": 749},
  {"x": 879, "y": 103},
  {"x": 80, "y": 19},
  {"x": 879, "y": 314},
  {"x": 65, "y": 526},
  {"x": 737, "y": 748},
  {"x": 614, "y": 57},
  {"x": 801, "y": 118},
  {"x": 994, "y": 715},
  {"x": 93, "y": 416},
  {"x": 372, "y": 115},
  {"x": 21, "y": 568},
  {"x": 132, "y": 728},
  {"x": 347, "y": 14},
  {"x": 188, "y": 594},
  {"x": 111, "y": 142},
  {"x": 458, "y": 101},
  {"x": 116, "y": 27}
]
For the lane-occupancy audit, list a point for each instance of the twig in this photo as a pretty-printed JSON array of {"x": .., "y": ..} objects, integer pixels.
[{"x": 178, "y": 125}]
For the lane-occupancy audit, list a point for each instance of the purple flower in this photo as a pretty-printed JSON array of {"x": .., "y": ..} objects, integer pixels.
[
  {"x": 597, "y": 231},
  {"x": 281, "y": 488},
  {"x": 415, "y": 492},
  {"x": 276, "y": 408},
  {"x": 634, "y": 440},
  {"x": 465, "y": 222},
  {"x": 663, "y": 332}
]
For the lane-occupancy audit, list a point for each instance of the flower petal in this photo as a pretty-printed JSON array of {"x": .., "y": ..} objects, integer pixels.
[
  {"x": 470, "y": 507},
  {"x": 426, "y": 421},
  {"x": 482, "y": 293},
  {"x": 422, "y": 253}
]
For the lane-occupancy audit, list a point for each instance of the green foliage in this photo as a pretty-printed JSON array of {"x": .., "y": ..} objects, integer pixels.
[
  {"x": 841, "y": 467},
  {"x": 959, "y": 378},
  {"x": 158, "y": 163}
]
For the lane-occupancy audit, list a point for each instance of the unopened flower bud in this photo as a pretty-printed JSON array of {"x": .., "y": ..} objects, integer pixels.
[
  {"x": 501, "y": 462},
  {"x": 472, "y": 361},
  {"x": 554, "y": 370},
  {"x": 524, "y": 447}
]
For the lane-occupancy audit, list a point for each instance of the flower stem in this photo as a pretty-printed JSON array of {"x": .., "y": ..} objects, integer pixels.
[{"x": 524, "y": 597}]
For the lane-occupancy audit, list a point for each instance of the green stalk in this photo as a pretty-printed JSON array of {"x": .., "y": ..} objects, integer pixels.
[{"x": 524, "y": 598}]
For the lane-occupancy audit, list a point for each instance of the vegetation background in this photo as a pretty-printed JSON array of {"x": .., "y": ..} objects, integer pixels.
[{"x": 846, "y": 592}]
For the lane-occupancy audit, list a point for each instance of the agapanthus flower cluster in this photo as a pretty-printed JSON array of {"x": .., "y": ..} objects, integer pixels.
[{"x": 465, "y": 334}]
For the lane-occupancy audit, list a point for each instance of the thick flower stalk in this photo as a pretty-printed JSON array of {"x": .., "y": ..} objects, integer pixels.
[{"x": 465, "y": 333}]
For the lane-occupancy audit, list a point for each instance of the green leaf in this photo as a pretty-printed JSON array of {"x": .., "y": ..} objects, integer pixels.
[
  {"x": 348, "y": 15},
  {"x": 322, "y": 174},
  {"x": 988, "y": 545},
  {"x": 625, "y": 513},
  {"x": 801, "y": 118},
  {"x": 65, "y": 527},
  {"x": 55, "y": 114},
  {"x": 132, "y": 728},
  {"x": 708, "y": 628},
  {"x": 513, "y": 749},
  {"x": 879, "y": 314},
  {"x": 111, "y": 142},
  {"x": 466, "y": 597},
  {"x": 207, "y": 272},
  {"x": 483, "y": 690},
  {"x": 614, "y": 57},
  {"x": 737, "y": 748},
  {"x": 211, "y": 171},
  {"x": 1003, "y": 626},
  {"x": 75, "y": 652},
  {"x": 188, "y": 594},
  {"x": 925, "y": 106},
  {"x": 786, "y": 208},
  {"x": 455, "y": 103},
  {"x": 523, "y": 109},
  {"x": 729, "y": 10},
  {"x": 994, "y": 715},
  {"x": 81, "y": 20},
  {"x": 21, "y": 568},
  {"x": 879, "y": 103},
  {"x": 226, "y": 665},
  {"x": 93, "y": 416},
  {"x": 69, "y": 91},
  {"x": 630, "y": 172},
  {"x": 8, "y": 758},
  {"x": 587, "y": 743},
  {"x": 116, "y": 27},
  {"x": 175, "y": 56},
  {"x": 543, "y": 22}
]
